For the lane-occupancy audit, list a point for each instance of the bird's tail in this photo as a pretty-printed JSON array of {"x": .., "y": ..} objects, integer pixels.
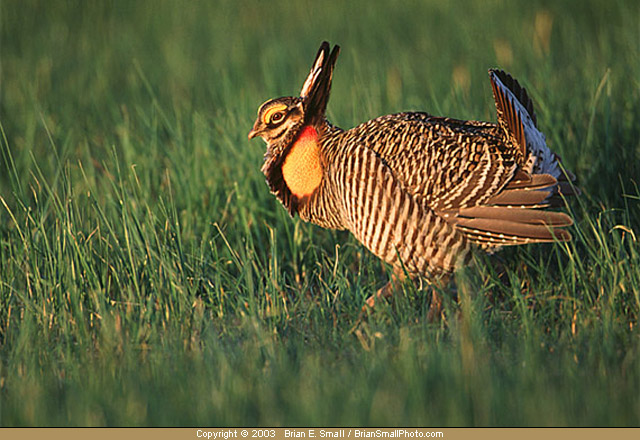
[{"x": 517, "y": 119}]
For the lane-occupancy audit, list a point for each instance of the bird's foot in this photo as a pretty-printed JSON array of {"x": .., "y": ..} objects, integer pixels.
[
  {"x": 385, "y": 292},
  {"x": 436, "y": 312}
]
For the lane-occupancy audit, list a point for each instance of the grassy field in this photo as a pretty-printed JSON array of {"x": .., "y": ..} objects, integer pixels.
[{"x": 148, "y": 278}]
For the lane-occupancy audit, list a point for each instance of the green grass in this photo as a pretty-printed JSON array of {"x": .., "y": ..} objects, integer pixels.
[{"x": 147, "y": 276}]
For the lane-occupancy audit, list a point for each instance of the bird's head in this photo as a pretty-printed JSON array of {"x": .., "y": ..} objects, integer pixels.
[{"x": 280, "y": 121}]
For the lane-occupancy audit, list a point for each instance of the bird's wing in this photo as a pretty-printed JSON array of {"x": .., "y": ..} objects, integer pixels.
[
  {"x": 457, "y": 167},
  {"x": 444, "y": 163},
  {"x": 380, "y": 211}
]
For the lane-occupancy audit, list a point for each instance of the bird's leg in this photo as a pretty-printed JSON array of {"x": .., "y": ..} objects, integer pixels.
[
  {"x": 435, "y": 308},
  {"x": 435, "y": 312},
  {"x": 398, "y": 277},
  {"x": 388, "y": 290}
]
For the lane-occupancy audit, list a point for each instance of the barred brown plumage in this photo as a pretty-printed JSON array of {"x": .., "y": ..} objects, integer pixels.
[{"x": 419, "y": 191}]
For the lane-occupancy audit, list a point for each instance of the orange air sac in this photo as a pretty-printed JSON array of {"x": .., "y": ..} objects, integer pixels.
[{"x": 302, "y": 170}]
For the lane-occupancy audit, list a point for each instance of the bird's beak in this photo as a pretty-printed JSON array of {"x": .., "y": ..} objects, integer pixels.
[{"x": 255, "y": 131}]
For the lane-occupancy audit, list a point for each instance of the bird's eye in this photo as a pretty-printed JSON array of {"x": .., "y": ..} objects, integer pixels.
[{"x": 277, "y": 117}]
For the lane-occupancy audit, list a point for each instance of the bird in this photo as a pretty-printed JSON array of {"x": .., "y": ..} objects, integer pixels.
[{"x": 421, "y": 192}]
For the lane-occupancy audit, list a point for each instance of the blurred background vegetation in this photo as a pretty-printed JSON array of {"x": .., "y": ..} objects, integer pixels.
[{"x": 147, "y": 276}]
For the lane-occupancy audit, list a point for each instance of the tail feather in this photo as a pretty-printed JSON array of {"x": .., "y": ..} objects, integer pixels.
[
  {"x": 520, "y": 197},
  {"x": 492, "y": 242},
  {"x": 566, "y": 188},
  {"x": 513, "y": 215},
  {"x": 513, "y": 116},
  {"x": 518, "y": 121},
  {"x": 517, "y": 215},
  {"x": 510, "y": 232},
  {"x": 523, "y": 179},
  {"x": 516, "y": 90}
]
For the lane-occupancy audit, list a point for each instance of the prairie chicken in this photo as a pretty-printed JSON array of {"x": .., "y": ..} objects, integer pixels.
[{"x": 419, "y": 191}]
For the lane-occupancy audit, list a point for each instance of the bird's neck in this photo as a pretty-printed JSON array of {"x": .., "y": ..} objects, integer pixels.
[{"x": 302, "y": 167}]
